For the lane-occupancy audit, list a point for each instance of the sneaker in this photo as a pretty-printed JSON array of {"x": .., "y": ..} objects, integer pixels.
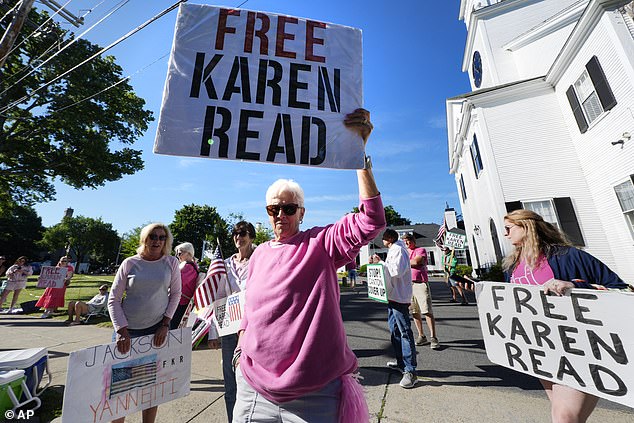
[
  {"x": 394, "y": 365},
  {"x": 16, "y": 311},
  {"x": 434, "y": 343},
  {"x": 409, "y": 380},
  {"x": 421, "y": 340},
  {"x": 45, "y": 315}
]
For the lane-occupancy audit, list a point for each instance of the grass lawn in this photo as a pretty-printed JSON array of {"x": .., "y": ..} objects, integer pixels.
[{"x": 81, "y": 288}]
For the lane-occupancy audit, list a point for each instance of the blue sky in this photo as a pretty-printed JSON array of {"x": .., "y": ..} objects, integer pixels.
[{"x": 412, "y": 53}]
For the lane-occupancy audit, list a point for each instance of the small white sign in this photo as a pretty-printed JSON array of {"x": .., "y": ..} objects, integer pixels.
[
  {"x": 583, "y": 339},
  {"x": 454, "y": 240},
  {"x": 52, "y": 277},
  {"x": 228, "y": 313},
  {"x": 102, "y": 384},
  {"x": 377, "y": 288},
  {"x": 258, "y": 86}
]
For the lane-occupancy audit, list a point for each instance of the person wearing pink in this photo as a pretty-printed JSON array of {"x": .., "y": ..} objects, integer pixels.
[
  {"x": 52, "y": 298},
  {"x": 189, "y": 277},
  {"x": 421, "y": 293},
  {"x": 151, "y": 282},
  {"x": 17, "y": 276},
  {"x": 295, "y": 364}
]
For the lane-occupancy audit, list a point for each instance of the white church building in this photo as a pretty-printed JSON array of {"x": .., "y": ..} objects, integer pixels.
[{"x": 548, "y": 125}]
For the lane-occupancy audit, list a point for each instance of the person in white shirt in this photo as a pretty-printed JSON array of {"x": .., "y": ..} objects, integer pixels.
[
  {"x": 399, "y": 294},
  {"x": 79, "y": 308}
]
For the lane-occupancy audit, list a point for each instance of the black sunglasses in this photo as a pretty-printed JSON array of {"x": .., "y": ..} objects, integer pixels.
[
  {"x": 243, "y": 232},
  {"x": 155, "y": 237},
  {"x": 288, "y": 209}
]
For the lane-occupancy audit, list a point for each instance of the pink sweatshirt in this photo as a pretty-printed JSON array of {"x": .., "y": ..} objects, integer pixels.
[{"x": 294, "y": 340}]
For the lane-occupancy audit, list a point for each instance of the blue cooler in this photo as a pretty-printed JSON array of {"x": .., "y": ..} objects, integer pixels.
[{"x": 33, "y": 361}]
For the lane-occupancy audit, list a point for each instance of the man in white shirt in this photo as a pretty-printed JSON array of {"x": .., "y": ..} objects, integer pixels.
[{"x": 399, "y": 294}]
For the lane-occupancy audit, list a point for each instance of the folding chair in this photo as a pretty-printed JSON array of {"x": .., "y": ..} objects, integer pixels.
[{"x": 100, "y": 313}]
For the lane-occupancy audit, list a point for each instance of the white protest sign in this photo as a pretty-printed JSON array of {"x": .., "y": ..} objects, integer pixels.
[
  {"x": 583, "y": 339},
  {"x": 245, "y": 85},
  {"x": 454, "y": 240},
  {"x": 52, "y": 277},
  {"x": 102, "y": 384},
  {"x": 377, "y": 289},
  {"x": 228, "y": 313}
]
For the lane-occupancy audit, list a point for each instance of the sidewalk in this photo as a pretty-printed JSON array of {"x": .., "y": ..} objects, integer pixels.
[{"x": 430, "y": 401}]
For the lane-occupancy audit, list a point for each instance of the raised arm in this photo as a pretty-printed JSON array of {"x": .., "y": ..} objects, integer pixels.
[{"x": 359, "y": 122}]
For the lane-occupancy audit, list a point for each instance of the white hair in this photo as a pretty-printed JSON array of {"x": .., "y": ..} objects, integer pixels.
[
  {"x": 187, "y": 247},
  {"x": 285, "y": 185}
]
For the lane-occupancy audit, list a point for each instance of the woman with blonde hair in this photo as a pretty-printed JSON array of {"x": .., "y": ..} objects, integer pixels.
[
  {"x": 189, "y": 277},
  {"x": 151, "y": 281},
  {"x": 544, "y": 256},
  {"x": 52, "y": 298}
]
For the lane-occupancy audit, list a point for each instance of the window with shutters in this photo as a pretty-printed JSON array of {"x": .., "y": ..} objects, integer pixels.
[
  {"x": 545, "y": 209},
  {"x": 625, "y": 194},
  {"x": 590, "y": 95},
  {"x": 475, "y": 156}
]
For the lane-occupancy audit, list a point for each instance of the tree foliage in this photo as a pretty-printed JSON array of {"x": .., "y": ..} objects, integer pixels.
[
  {"x": 392, "y": 217},
  {"x": 20, "y": 230},
  {"x": 130, "y": 242},
  {"x": 86, "y": 238},
  {"x": 48, "y": 133},
  {"x": 194, "y": 223},
  {"x": 262, "y": 234}
]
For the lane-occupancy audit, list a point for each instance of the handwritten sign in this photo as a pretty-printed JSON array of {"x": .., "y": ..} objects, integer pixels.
[
  {"x": 228, "y": 313},
  {"x": 246, "y": 85},
  {"x": 454, "y": 240},
  {"x": 377, "y": 289},
  {"x": 52, "y": 277},
  {"x": 583, "y": 339},
  {"x": 102, "y": 384}
]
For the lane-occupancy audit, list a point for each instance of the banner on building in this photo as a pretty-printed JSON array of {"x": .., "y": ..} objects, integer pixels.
[
  {"x": 377, "y": 288},
  {"x": 246, "y": 85},
  {"x": 102, "y": 384},
  {"x": 583, "y": 339},
  {"x": 52, "y": 277}
]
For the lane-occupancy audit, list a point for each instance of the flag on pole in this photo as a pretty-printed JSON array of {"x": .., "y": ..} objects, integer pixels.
[
  {"x": 207, "y": 291},
  {"x": 440, "y": 238}
]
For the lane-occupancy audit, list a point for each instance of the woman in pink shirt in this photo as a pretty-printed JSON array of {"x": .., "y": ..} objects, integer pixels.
[
  {"x": 189, "y": 277},
  {"x": 294, "y": 360}
]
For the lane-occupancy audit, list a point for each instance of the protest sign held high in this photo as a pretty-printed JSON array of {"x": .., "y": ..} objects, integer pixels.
[
  {"x": 583, "y": 339},
  {"x": 52, "y": 277},
  {"x": 377, "y": 289},
  {"x": 245, "y": 85},
  {"x": 102, "y": 384}
]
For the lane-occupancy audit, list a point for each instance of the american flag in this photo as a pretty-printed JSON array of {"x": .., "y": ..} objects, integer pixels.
[
  {"x": 440, "y": 238},
  {"x": 233, "y": 306},
  {"x": 133, "y": 374},
  {"x": 207, "y": 292}
]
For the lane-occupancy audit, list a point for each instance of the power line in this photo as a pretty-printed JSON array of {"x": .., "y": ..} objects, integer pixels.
[
  {"x": 103, "y": 50},
  {"x": 73, "y": 41},
  {"x": 10, "y": 11}
]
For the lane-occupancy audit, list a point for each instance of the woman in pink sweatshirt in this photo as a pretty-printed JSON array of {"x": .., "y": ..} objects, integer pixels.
[{"x": 294, "y": 360}]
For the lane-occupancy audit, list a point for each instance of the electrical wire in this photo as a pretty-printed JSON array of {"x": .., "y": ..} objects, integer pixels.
[
  {"x": 35, "y": 31},
  {"x": 100, "y": 52},
  {"x": 10, "y": 11}
]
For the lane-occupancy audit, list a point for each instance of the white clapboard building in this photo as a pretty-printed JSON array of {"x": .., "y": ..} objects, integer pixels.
[{"x": 548, "y": 125}]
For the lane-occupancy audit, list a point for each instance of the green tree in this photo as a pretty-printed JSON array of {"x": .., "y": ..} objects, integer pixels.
[
  {"x": 392, "y": 217},
  {"x": 194, "y": 223},
  {"x": 20, "y": 230},
  {"x": 130, "y": 242},
  {"x": 262, "y": 234},
  {"x": 75, "y": 129},
  {"x": 85, "y": 237}
]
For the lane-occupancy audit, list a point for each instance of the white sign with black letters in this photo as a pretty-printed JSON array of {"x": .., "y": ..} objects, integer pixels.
[
  {"x": 454, "y": 240},
  {"x": 246, "y": 85},
  {"x": 377, "y": 288},
  {"x": 583, "y": 339}
]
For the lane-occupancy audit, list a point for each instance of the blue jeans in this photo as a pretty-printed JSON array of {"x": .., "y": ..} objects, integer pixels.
[
  {"x": 229, "y": 344},
  {"x": 402, "y": 336}
]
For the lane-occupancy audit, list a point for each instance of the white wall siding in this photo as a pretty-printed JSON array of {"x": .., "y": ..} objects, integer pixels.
[
  {"x": 535, "y": 59},
  {"x": 603, "y": 164}
]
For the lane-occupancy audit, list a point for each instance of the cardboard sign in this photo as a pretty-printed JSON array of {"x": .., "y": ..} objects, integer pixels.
[
  {"x": 228, "y": 313},
  {"x": 583, "y": 339},
  {"x": 454, "y": 240},
  {"x": 52, "y": 277},
  {"x": 377, "y": 288},
  {"x": 245, "y": 85},
  {"x": 102, "y": 384}
]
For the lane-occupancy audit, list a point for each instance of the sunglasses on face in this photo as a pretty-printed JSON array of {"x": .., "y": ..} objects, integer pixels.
[
  {"x": 241, "y": 233},
  {"x": 288, "y": 209},
  {"x": 507, "y": 229},
  {"x": 155, "y": 237}
]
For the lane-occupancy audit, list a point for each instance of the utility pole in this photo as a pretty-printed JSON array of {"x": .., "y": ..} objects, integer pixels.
[{"x": 14, "y": 28}]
